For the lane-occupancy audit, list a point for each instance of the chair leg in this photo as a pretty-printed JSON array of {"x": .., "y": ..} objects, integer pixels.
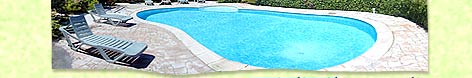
[
  {"x": 119, "y": 57},
  {"x": 93, "y": 17},
  {"x": 69, "y": 42},
  {"x": 77, "y": 48},
  {"x": 95, "y": 20},
  {"x": 113, "y": 23},
  {"x": 104, "y": 55}
]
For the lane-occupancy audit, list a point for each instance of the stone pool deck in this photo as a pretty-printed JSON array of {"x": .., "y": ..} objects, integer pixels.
[{"x": 409, "y": 51}]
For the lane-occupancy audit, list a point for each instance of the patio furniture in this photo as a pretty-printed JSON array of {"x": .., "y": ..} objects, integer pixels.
[
  {"x": 165, "y": 2},
  {"x": 148, "y": 2},
  {"x": 202, "y": 1},
  {"x": 183, "y": 1},
  {"x": 101, "y": 42},
  {"x": 100, "y": 12}
]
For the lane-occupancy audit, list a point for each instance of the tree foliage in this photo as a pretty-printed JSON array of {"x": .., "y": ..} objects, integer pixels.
[
  {"x": 79, "y": 6},
  {"x": 413, "y": 10}
]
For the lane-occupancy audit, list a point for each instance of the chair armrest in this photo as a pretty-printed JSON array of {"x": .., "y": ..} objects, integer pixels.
[
  {"x": 63, "y": 30},
  {"x": 119, "y": 9},
  {"x": 91, "y": 12}
]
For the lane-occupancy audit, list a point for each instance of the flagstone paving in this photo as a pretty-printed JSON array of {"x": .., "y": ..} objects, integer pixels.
[{"x": 409, "y": 51}]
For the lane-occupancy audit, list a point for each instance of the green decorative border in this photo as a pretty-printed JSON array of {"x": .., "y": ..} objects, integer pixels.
[{"x": 25, "y": 47}]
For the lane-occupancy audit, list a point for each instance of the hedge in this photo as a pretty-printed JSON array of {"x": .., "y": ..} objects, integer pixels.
[
  {"x": 413, "y": 10},
  {"x": 56, "y": 22},
  {"x": 75, "y": 7}
]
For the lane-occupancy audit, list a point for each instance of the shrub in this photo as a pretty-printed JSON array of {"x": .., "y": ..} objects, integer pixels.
[
  {"x": 56, "y": 5},
  {"x": 413, "y": 10},
  {"x": 68, "y": 7},
  {"x": 72, "y": 6},
  {"x": 89, "y": 3},
  {"x": 55, "y": 28},
  {"x": 56, "y": 22}
]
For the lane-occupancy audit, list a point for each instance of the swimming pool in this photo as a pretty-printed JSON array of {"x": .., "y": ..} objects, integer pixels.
[{"x": 271, "y": 39}]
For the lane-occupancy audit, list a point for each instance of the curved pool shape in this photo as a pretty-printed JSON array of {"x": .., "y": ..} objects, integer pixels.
[{"x": 271, "y": 39}]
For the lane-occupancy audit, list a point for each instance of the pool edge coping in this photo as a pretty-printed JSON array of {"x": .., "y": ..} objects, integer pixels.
[{"x": 218, "y": 63}]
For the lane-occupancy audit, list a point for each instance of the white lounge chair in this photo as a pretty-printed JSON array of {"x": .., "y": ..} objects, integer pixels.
[
  {"x": 100, "y": 12},
  {"x": 165, "y": 2},
  {"x": 101, "y": 42},
  {"x": 148, "y": 2},
  {"x": 203, "y": 1},
  {"x": 183, "y": 1}
]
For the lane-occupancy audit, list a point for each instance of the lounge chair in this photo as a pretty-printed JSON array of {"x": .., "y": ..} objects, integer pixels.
[
  {"x": 101, "y": 42},
  {"x": 100, "y": 12},
  {"x": 203, "y": 1},
  {"x": 165, "y": 2},
  {"x": 183, "y": 1},
  {"x": 148, "y": 2}
]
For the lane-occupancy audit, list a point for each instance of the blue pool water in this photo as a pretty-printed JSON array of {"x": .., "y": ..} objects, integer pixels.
[{"x": 271, "y": 39}]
